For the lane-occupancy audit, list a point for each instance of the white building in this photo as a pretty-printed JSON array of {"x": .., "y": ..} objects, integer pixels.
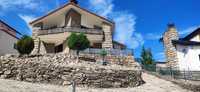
[
  {"x": 183, "y": 53},
  {"x": 7, "y": 39}
]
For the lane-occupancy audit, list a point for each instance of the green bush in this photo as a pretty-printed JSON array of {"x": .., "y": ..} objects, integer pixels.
[
  {"x": 25, "y": 45},
  {"x": 78, "y": 42},
  {"x": 103, "y": 53}
]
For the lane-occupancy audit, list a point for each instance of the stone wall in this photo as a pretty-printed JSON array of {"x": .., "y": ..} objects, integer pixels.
[
  {"x": 107, "y": 36},
  {"x": 170, "y": 50},
  {"x": 111, "y": 59},
  {"x": 59, "y": 69}
]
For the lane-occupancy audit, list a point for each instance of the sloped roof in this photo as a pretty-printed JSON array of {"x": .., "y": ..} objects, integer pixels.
[
  {"x": 182, "y": 42},
  {"x": 194, "y": 33},
  {"x": 9, "y": 29},
  {"x": 56, "y": 10}
]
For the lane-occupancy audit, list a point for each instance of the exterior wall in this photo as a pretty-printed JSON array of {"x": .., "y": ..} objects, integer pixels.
[
  {"x": 7, "y": 43},
  {"x": 196, "y": 38},
  {"x": 170, "y": 50},
  {"x": 60, "y": 38},
  {"x": 188, "y": 58},
  {"x": 58, "y": 20},
  {"x": 162, "y": 65}
]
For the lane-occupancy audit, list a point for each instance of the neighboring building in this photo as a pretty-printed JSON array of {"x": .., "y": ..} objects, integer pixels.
[
  {"x": 161, "y": 65},
  {"x": 184, "y": 53},
  {"x": 51, "y": 31},
  {"x": 8, "y": 36}
]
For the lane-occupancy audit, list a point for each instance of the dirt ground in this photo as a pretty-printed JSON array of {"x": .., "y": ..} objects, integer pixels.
[{"x": 153, "y": 84}]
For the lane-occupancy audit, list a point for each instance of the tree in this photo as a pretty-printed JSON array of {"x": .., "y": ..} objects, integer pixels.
[
  {"x": 147, "y": 60},
  {"x": 78, "y": 42},
  {"x": 146, "y": 56},
  {"x": 103, "y": 53},
  {"x": 25, "y": 45}
]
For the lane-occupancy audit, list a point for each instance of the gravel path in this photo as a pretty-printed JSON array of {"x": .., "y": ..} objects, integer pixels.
[{"x": 153, "y": 84}]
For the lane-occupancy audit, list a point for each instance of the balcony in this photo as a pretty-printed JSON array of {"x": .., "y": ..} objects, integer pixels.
[{"x": 70, "y": 29}]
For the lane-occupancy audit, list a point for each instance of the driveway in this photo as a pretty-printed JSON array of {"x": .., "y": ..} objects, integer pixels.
[{"x": 153, "y": 84}]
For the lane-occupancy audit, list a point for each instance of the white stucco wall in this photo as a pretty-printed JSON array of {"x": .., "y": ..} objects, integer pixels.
[
  {"x": 7, "y": 43},
  {"x": 196, "y": 38},
  {"x": 188, "y": 57}
]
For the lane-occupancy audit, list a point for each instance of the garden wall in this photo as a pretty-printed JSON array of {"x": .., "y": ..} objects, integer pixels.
[{"x": 59, "y": 69}]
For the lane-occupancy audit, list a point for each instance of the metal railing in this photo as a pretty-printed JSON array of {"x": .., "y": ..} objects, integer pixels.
[
  {"x": 115, "y": 52},
  {"x": 174, "y": 73},
  {"x": 70, "y": 29}
]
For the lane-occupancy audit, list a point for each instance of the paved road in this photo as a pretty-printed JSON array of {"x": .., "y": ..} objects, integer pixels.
[{"x": 153, "y": 84}]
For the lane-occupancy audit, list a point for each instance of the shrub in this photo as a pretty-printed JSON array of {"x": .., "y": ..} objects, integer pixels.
[
  {"x": 78, "y": 42},
  {"x": 103, "y": 53},
  {"x": 25, "y": 45}
]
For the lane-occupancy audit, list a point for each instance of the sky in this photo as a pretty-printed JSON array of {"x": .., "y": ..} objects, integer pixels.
[{"x": 138, "y": 22}]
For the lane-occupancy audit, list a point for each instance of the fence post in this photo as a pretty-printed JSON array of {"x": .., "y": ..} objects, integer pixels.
[
  {"x": 184, "y": 75},
  {"x": 73, "y": 86},
  {"x": 170, "y": 69}
]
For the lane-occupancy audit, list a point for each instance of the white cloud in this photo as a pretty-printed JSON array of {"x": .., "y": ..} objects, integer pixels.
[
  {"x": 124, "y": 22},
  {"x": 27, "y": 18},
  {"x": 153, "y": 36},
  {"x": 102, "y": 7},
  {"x": 21, "y": 5},
  {"x": 12, "y": 3}
]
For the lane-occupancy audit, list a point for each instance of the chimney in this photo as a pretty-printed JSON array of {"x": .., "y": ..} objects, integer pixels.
[
  {"x": 170, "y": 49},
  {"x": 73, "y": 1}
]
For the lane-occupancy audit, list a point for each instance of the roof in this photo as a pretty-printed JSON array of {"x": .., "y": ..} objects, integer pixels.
[
  {"x": 186, "y": 43},
  {"x": 75, "y": 6},
  {"x": 159, "y": 62},
  {"x": 10, "y": 29},
  {"x": 194, "y": 33},
  {"x": 119, "y": 44}
]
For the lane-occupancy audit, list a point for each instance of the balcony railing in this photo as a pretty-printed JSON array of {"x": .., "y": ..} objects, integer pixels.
[{"x": 71, "y": 29}]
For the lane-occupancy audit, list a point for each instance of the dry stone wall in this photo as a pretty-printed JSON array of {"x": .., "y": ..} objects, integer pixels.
[{"x": 60, "y": 70}]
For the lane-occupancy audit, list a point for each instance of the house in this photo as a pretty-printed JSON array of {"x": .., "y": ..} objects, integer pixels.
[
  {"x": 182, "y": 53},
  {"x": 8, "y": 36},
  {"x": 161, "y": 64},
  {"x": 51, "y": 31}
]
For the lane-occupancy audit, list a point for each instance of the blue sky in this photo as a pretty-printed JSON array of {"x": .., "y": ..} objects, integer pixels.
[{"x": 138, "y": 22}]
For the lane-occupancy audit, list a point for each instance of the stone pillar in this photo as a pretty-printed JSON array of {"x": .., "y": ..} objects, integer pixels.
[
  {"x": 39, "y": 47},
  {"x": 170, "y": 49},
  {"x": 107, "y": 28},
  {"x": 65, "y": 47},
  {"x": 36, "y": 41}
]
